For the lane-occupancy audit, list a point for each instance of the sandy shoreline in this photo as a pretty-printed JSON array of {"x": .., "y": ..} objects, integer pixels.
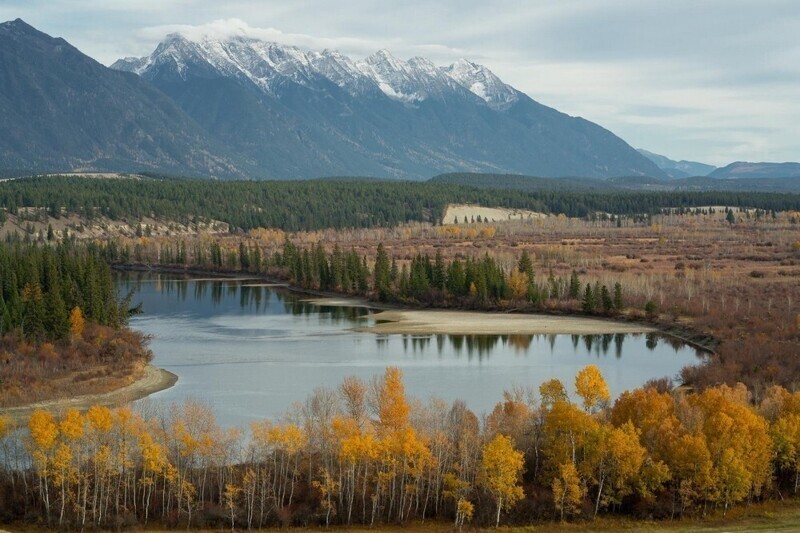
[
  {"x": 344, "y": 301},
  {"x": 152, "y": 380},
  {"x": 429, "y": 322}
]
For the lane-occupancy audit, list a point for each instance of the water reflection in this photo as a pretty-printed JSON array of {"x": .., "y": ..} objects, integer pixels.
[
  {"x": 155, "y": 289},
  {"x": 252, "y": 349}
]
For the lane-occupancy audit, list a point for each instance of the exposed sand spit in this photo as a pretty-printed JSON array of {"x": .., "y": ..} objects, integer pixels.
[{"x": 427, "y": 322}]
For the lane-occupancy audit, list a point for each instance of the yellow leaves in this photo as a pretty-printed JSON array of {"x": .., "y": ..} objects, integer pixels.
[
  {"x": 501, "y": 467},
  {"x": 566, "y": 428},
  {"x": 488, "y": 232},
  {"x": 354, "y": 445},
  {"x": 448, "y": 231},
  {"x": 71, "y": 425},
  {"x": 100, "y": 418},
  {"x": 62, "y": 464},
  {"x": 552, "y": 391},
  {"x": 6, "y": 426},
  {"x": 464, "y": 511},
  {"x": 785, "y": 432},
  {"x": 591, "y": 387},
  {"x": 738, "y": 442},
  {"x": 518, "y": 284},
  {"x": 76, "y": 323},
  {"x": 568, "y": 491},
  {"x": 393, "y": 408},
  {"x": 153, "y": 457},
  {"x": 43, "y": 429},
  {"x": 288, "y": 437}
]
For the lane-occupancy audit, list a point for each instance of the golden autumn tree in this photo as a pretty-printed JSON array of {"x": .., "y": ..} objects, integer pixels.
[
  {"x": 785, "y": 433},
  {"x": 738, "y": 442},
  {"x": 43, "y": 432},
  {"x": 552, "y": 391},
  {"x": 517, "y": 284},
  {"x": 568, "y": 491},
  {"x": 76, "y": 323},
  {"x": 392, "y": 405},
  {"x": 591, "y": 387},
  {"x": 500, "y": 470},
  {"x": 613, "y": 462}
]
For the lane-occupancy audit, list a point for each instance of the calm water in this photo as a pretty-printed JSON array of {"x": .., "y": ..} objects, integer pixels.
[{"x": 250, "y": 351}]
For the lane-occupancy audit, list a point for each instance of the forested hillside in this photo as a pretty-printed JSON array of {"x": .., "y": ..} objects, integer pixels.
[
  {"x": 338, "y": 203},
  {"x": 59, "y": 313}
]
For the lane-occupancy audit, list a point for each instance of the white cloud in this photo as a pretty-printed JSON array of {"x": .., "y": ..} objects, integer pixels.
[{"x": 234, "y": 27}]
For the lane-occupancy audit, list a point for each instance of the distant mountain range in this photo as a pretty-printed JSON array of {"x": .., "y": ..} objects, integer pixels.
[
  {"x": 741, "y": 169},
  {"x": 241, "y": 107},
  {"x": 678, "y": 169},
  {"x": 245, "y": 108},
  {"x": 619, "y": 183}
]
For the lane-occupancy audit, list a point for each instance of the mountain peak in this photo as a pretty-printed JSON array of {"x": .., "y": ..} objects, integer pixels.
[
  {"x": 482, "y": 82},
  {"x": 18, "y": 26}
]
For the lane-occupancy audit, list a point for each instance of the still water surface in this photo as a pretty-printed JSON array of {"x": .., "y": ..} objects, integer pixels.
[{"x": 249, "y": 351}]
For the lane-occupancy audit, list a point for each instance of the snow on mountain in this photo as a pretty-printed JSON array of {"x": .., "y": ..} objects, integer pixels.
[
  {"x": 482, "y": 82},
  {"x": 265, "y": 63}
]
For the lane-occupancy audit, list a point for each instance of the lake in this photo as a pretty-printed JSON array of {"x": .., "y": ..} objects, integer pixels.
[{"x": 250, "y": 350}]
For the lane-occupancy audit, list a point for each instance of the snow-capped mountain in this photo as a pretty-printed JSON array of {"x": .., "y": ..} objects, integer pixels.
[
  {"x": 266, "y": 64},
  {"x": 300, "y": 113},
  {"x": 483, "y": 82}
]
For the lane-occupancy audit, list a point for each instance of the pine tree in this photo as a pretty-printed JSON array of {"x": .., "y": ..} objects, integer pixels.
[
  {"x": 589, "y": 301},
  {"x": 574, "y": 286},
  {"x": 605, "y": 299},
  {"x": 382, "y": 275},
  {"x": 618, "y": 303}
]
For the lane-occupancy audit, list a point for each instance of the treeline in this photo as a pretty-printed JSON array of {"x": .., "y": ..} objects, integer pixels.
[
  {"x": 43, "y": 285},
  {"x": 366, "y": 454},
  {"x": 472, "y": 282},
  {"x": 332, "y": 203}
]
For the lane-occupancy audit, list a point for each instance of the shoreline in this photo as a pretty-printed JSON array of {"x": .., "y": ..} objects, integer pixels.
[
  {"x": 627, "y": 324},
  {"x": 152, "y": 380},
  {"x": 457, "y": 322}
]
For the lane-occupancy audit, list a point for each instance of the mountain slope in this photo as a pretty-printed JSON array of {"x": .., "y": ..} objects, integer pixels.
[
  {"x": 64, "y": 111},
  {"x": 742, "y": 169},
  {"x": 678, "y": 169},
  {"x": 305, "y": 114}
]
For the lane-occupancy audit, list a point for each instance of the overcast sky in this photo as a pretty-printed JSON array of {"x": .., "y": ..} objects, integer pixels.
[{"x": 708, "y": 80}]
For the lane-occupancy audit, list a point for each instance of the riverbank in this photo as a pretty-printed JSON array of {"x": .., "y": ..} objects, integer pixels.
[
  {"x": 150, "y": 381},
  {"x": 407, "y": 320}
]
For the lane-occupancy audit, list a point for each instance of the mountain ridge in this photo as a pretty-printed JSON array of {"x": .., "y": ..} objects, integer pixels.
[
  {"x": 762, "y": 170},
  {"x": 379, "y": 116},
  {"x": 64, "y": 111},
  {"x": 678, "y": 169}
]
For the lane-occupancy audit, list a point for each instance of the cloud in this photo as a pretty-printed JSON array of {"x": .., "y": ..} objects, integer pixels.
[{"x": 234, "y": 27}]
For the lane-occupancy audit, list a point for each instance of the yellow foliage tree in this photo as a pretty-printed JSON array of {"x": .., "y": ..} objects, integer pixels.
[
  {"x": 552, "y": 391},
  {"x": 76, "y": 323},
  {"x": 501, "y": 467},
  {"x": 518, "y": 284},
  {"x": 568, "y": 490},
  {"x": 393, "y": 408},
  {"x": 591, "y": 387}
]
